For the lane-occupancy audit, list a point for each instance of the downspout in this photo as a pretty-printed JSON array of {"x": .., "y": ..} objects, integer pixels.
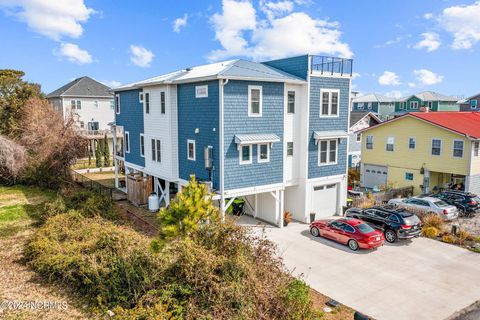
[{"x": 222, "y": 83}]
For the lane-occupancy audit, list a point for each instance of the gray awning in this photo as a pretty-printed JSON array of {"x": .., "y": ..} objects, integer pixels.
[
  {"x": 321, "y": 135},
  {"x": 256, "y": 138}
]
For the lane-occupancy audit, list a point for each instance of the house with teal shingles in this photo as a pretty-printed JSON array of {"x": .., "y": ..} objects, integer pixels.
[
  {"x": 470, "y": 104},
  {"x": 379, "y": 105},
  {"x": 425, "y": 101},
  {"x": 274, "y": 134}
]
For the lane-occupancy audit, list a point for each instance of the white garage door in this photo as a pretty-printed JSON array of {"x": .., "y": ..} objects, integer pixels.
[
  {"x": 374, "y": 176},
  {"x": 324, "y": 200}
]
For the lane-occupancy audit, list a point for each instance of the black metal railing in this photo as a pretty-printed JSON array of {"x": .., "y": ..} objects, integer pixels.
[
  {"x": 331, "y": 65},
  {"x": 91, "y": 184}
]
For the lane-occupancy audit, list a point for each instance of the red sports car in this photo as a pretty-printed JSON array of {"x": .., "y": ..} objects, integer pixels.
[{"x": 352, "y": 232}]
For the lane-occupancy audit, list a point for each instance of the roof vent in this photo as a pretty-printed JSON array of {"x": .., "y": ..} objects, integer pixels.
[{"x": 189, "y": 69}]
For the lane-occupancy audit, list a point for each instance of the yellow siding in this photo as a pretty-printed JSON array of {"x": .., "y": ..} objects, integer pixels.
[
  {"x": 475, "y": 164},
  {"x": 403, "y": 160}
]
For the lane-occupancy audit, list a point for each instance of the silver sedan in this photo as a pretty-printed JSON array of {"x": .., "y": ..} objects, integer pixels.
[{"x": 427, "y": 205}]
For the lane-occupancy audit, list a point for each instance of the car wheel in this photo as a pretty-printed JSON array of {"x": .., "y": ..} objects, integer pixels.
[
  {"x": 390, "y": 236},
  {"x": 315, "y": 232},
  {"x": 353, "y": 245}
]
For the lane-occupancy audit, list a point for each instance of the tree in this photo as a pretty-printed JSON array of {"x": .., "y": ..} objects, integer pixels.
[
  {"x": 13, "y": 160},
  {"x": 106, "y": 152},
  {"x": 98, "y": 154},
  {"x": 14, "y": 93},
  {"x": 192, "y": 207}
]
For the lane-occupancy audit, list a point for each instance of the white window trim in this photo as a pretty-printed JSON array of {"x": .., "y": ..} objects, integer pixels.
[
  {"x": 412, "y": 103},
  {"x": 366, "y": 142},
  {"x": 294, "y": 102},
  {"x": 140, "y": 96},
  {"x": 357, "y": 136},
  {"x": 268, "y": 153},
  {"x": 145, "y": 102},
  {"x": 453, "y": 148},
  {"x": 240, "y": 154},
  {"x": 164, "y": 111},
  {"x": 127, "y": 145},
  {"x": 430, "y": 104},
  {"x": 408, "y": 143},
  {"x": 431, "y": 148},
  {"x": 117, "y": 105},
  {"x": 360, "y": 104},
  {"x": 141, "y": 136},
  {"x": 328, "y": 152},
  {"x": 330, "y": 91},
  {"x": 369, "y": 106},
  {"x": 201, "y": 87},
  {"x": 260, "y": 107},
  {"x": 476, "y": 145},
  {"x": 194, "y": 150},
  {"x": 293, "y": 149},
  {"x": 386, "y": 144}
]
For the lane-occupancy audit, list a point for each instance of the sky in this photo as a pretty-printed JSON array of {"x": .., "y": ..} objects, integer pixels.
[{"x": 399, "y": 47}]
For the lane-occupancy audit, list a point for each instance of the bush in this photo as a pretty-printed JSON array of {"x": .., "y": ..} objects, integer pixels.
[
  {"x": 433, "y": 220},
  {"x": 448, "y": 238},
  {"x": 109, "y": 264},
  {"x": 464, "y": 235},
  {"x": 430, "y": 232}
]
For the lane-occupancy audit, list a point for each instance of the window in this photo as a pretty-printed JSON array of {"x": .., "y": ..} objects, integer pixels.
[
  {"x": 409, "y": 176},
  {"x": 329, "y": 103},
  {"x": 147, "y": 102},
  {"x": 72, "y": 104},
  {"x": 291, "y": 102},
  {"x": 457, "y": 148},
  {"x": 369, "y": 106},
  {"x": 127, "y": 142},
  {"x": 390, "y": 146},
  {"x": 412, "y": 143},
  {"x": 246, "y": 154},
  {"x": 476, "y": 146},
  {"x": 473, "y": 104},
  {"x": 93, "y": 125},
  {"x": 289, "y": 148},
  {"x": 359, "y": 137},
  {"x": 162, "y": 102},
  {"x": 117, "y": 104},
  {"x": 436, "y": 147},
  {"x": 360, "y": 105},
  {"x": 140, "y": 97},
  {"x": 413, "y": 104},
  {"x": 156, "y": 150},
  {"x": 430, "y": 104},
  {"x": 327, "y": 150},
  {"x": 254, "y": 101},
  {"x": 263, "y": 153},
  {"x": 95, "y": 104},
  {"x": 201, "y": 91},
  {"x": 79, "y": 105},
  {"x": 191, "y": 150},
  {"x": 82, "y": 124},
  {"x": 369, "y": 142},
  {"x": 142, "y": 145},
  {"x": 401, "y": 105}
]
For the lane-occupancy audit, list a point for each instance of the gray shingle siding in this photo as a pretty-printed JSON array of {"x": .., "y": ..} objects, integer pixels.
[
  {"x": 201, "y": 113},
  {"x": 236, "y": 121},
  {"x": 297, "y": 66},
  {"x": 316, "y": 123},
  {"x": 474, "y": 184}
]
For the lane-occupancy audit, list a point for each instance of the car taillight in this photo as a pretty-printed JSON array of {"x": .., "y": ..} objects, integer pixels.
[
  {"x": 404, "y": 226},
  {"x": 472, "y": 203},
  {"x": 445, "y": 211}
]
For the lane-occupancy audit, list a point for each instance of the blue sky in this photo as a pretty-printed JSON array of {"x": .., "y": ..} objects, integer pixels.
[{"x": 398, "y": 46}]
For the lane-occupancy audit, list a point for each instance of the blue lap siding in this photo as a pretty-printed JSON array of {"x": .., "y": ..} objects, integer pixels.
[
  {"x": 202, "y": 114},
  {"x": 297, "y": 66},
  {"x": 131, "y": 118},
  {"x": 316, "y": 123},
  {"x": 236, "y": 121}
]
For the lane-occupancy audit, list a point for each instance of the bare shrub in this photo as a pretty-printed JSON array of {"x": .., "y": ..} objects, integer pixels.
[
  {"x": 433, "y": 220},
  {"x": 13, "y": 160}
]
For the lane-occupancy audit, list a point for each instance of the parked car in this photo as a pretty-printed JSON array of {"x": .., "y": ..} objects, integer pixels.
[
  {"x": 428, "y": 205},
  {"x": 467, "y": 203},
  {"x": 352, "y": 232},
  {"x": 395, "y": 223}
]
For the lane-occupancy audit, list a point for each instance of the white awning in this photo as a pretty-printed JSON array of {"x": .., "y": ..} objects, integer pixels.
[
  {"x": 256, "y": 138},
  {"x": 321, "y": 135}
]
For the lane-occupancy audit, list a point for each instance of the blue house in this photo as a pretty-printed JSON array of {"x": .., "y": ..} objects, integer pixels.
[
  {"x": 274, "y": 133},
  {"x": 380, "y": 106}
]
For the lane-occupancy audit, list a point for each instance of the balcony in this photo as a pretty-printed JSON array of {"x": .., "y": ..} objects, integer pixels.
[
  {"x": 331, "y": 65},
  {"x": 99, "y": 134}
]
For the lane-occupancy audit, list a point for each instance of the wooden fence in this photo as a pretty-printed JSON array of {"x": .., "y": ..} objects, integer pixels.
[{"x": 380, "y": 198}]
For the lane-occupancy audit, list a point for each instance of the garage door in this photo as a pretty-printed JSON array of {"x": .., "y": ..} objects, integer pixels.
[
  {"x": 374, "y": 176},
  {"x": 324, "y": 200}
]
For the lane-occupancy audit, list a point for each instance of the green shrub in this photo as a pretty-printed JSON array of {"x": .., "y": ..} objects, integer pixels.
[
  {"x": 433, "y": 220},
  {"x": 108, "y": 263},
  {"x": 430, "y": 232},
  {"x": 448, "y": 238},
  {"x": 298, "y": 300}
]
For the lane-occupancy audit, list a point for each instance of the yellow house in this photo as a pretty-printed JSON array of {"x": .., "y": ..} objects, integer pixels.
[{"x": 427, "y": 150}]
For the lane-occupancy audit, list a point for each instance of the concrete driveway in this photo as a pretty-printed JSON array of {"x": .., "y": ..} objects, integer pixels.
[{"x": 418, "y": 279}]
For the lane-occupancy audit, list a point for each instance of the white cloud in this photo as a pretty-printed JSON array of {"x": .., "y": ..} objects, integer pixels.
[
  {"x": 283, "y": 33},
  {"x": 428, "y": 16},
  {"x": 427, "y": 77},
  {"x": 389, "y": 78},
  {"x": 179, "y": 23},
  {"x": 389, "y": 42},
  {"x": 394, "y": 94},
  {"x": 53, "y": 19},
  {"x": 430, "y": 41},
  {"x": 141, "y": 56},
  {"x": 274, "y": 9},
  {"x": 112, "y": 83},
  {"x": 463, "y": 23},
  {"x": 355, "y": 75},
  {"x": 412, "y": 84},
  {"x": 74, "y": 53}
]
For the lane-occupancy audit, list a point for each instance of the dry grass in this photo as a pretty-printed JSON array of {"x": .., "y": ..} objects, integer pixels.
[{"x": 340, "y": 313}]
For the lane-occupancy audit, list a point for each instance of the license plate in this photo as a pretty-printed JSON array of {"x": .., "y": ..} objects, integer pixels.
[{"x": 377, "y": 238}]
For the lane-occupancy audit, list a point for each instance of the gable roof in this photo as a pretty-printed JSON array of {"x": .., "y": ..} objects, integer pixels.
[
  {"x": 430, "y": 96},
  {"x": 463, "y": 123},
  {"x": 373, "y": 97},
  {"x": 466, "y": 100},
  {"x": 82, "y": 87},
  {"x": 232, "y": 69},
  {"x": 356, "y": 116}
]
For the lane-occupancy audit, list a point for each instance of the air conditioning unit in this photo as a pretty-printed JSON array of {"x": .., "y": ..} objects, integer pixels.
[{"x": 208, "y": 184}]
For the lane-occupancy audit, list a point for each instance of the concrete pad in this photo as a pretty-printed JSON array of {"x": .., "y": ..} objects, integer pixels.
[{"x": 417, "y": 279}]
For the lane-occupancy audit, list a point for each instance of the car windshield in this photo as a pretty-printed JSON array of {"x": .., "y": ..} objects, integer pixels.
[
  {"x": 364, "y": 228},
  {"x": 440, "y": 204}
]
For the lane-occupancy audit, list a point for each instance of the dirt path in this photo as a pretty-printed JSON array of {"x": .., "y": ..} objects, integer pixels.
[{"x": 21, "y": 285}]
